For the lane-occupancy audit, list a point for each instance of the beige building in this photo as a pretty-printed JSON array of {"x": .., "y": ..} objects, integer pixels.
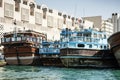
[
  {"x": 97, "y": 20},
  {"x": 116, "y": 22},
  {"x": 26, "y": 14},
  {"x": 107, "y": 27}
]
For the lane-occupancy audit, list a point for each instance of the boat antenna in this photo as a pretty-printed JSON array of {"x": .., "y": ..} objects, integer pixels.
[
  {"x": 75, "y": 9},
  {"x": 83, "y": 12}
]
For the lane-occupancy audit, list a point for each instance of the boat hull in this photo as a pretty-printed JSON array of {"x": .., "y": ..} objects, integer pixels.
[
  {"x": 87, "y": 58},
  {"x": 21, "y": 56},
  {"x": 114, "y": 42}
]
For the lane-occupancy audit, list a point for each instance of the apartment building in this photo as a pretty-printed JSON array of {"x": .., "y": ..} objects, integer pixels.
[
  {"x": 107, "y": 27},
  {"x": 116, "y": 22},
  {"x": 26, "y": 14},
  {"x": 97, "y": 20}
]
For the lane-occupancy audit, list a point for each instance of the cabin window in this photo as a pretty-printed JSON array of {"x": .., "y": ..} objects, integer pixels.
[
  {"x": 105, "y": 47},
  {"x": 7, "y": 39},
  {"x": 104, "y": 36},
  {"x": 1, "y": 3},
  {"x": 81, "y": 45},
  {"x": 3, "y": 40},
  {"x": 90, "y": 46},
  {"x": 72, "y": 21},
  {"x": 101, "y": 46}
]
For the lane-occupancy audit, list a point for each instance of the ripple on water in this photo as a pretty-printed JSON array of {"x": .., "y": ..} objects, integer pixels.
[{"x": 53, "y": 73}]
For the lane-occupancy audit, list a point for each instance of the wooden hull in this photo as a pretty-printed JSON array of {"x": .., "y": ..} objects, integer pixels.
[
  {"x": 29, "y": 60},
  {"x": 87, "y": 58},
  {"x": 21, "y": 56},
  {"x": 114, "y": 41},
  {"x": 51, "y": 62}
]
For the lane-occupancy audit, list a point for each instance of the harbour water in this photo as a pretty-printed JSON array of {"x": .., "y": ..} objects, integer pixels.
[{"x": 55, "y": 73}]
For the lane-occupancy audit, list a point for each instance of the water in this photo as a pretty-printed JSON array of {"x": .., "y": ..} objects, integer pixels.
[{"x": 53, "y": 73}]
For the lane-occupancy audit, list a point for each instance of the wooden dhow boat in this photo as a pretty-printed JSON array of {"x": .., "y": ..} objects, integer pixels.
[
  {"x": 21, "y": 47},
  {"x": 85, "y": 48}
]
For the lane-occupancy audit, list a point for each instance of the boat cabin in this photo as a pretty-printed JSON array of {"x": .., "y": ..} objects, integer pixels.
[{"x": 83, "y": 39}]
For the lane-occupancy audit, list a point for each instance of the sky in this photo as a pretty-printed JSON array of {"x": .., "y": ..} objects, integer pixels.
[{"x": 84, "y": 8}]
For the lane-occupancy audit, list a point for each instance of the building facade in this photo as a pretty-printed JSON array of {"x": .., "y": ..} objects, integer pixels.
[
  {"x": 97, "y": 20},
  {"x": 116, "y": 22},
  {"x": 107, "y": 27},
  {"x": 26, "y": 14}
]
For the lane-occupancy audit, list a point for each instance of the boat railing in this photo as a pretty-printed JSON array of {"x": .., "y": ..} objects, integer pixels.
[
  {"x": 81, "y": 39},
  {"x": 49, "y": 51},
  {"x": 20, "y": 39}
]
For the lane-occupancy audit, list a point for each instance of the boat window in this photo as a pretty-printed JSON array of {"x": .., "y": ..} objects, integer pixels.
[
  {"x": 101, "y": 46},
  {"x": 81, "y": 45},
  {"x": 95, "y": 35},
  {"x": 105, "y": 47},
  {"x": 3, "y": 40},
  {"x": 7, "y": 39},
  {"x": 104, "y": 36},
  {"x": 100, "y": 35},
  {"x": 18, "y": 38},
  {"x": 90, "y": 46},
  {"x": 13, "y": 39}
]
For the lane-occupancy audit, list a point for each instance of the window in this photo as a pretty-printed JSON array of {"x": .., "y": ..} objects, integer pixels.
[
  {"x": 73, "y": 21},
  {"x": 68, "y": 17},
  {"x": 38, "y": 18},
  {"x": 32, "y": 6},
  {"x": 50, "y": 10},
  {"x": 64, "y": 17},
  {"x": 81, "y": 45},
  {"x": 60, "y": 23},
  {"x": 44, "y": 13},
  {"x": 9, "y": 10},
  {"x": 24, "y": 14},
  {"x": 17, "y": 6},
  {"x": 25, "y": 2},
  {"x": 59, "y": 13},
  {"x": 0, "y": 3},
  {"x": 50, "y": 21},
  {"x": 38, "y": 7}
]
